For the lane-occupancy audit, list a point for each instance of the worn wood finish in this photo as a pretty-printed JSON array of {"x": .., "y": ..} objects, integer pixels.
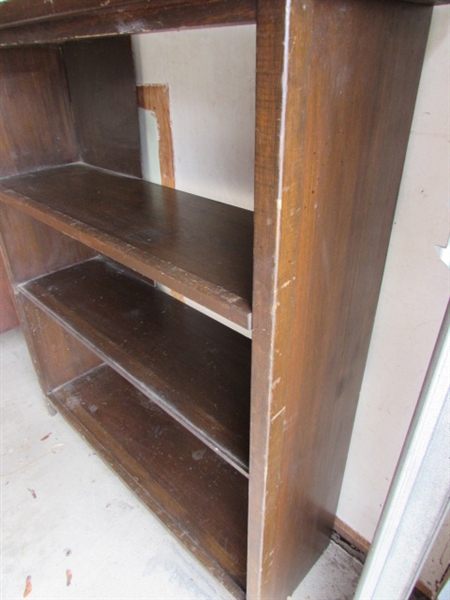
[
  {"x": 199, "y": 248},
  {"x": 192, "y": 490},
  {"x": 33, "y": 249},
  {"x": 32, "y": 10},
  {"x": 57, "y": 356},
  {"x": 35, "y": 120},
  {"x": 429, "y": 2},
  {"x": 100, "y": 76},
  {"x": 193, "y": 367},
  {"x": 8, "y": 314},
  {"x": 336, "y": 84},
  {"x": 155, "y": 98},
  {"x": 45, "y": 249},
  {"x": 13, "y": 13},
  {"x": 334, "y": 109},
  {"x": 133, "y": 17}
]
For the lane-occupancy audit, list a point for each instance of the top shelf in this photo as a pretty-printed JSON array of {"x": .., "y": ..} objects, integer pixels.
[
  {"x": 30, "y": 22},
  {"x": 197, "y": 247},
  {"x": 29, "y": 11}
]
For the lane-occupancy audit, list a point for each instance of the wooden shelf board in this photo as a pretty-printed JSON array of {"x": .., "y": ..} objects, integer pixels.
[
  {"x": 195, "y": 368},
  {"x": 75, "y": 19},
  {"x": 199, "y": 248},
  {"x": 192, "y": 490}
]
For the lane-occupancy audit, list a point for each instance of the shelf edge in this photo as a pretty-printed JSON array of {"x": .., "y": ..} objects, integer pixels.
[
  {"x": 226, "y": 304},
  {"x": 133, "y": 483},
  {"x": 153, "y": 396}
]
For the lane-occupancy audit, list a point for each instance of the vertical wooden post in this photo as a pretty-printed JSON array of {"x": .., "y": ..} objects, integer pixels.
[{"x": 336, "y": 86}]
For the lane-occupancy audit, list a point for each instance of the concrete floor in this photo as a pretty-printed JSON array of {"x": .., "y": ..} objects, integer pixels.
[{"x": 66, "y": 516}]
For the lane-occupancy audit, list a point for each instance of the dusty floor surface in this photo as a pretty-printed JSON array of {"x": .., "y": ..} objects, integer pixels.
[{"x": 71, "y": 529}]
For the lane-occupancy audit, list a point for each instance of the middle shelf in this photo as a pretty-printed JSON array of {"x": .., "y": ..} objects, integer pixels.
[
  {"x": 197, "y": 247},
  {"x": 196, "y": 369}
]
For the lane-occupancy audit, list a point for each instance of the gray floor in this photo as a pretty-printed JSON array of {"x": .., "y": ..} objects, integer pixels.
[{"x": 64, "y": 513}]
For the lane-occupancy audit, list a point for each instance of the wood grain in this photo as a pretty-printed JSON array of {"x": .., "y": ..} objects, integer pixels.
[
  {"x": 193, "y": 367},
  {"x": 337, "y": 117},
  {"x": 135, "y": 16},
  {"x": 100, "y": 76},
  {"x": 8, "y": 314},
  {"x": 57, "y": 356},
  {"x": 35, "y": 119},
  {"x": 155, "y": 98},
  {"x": 197, "y": 247},
  {"x": 13, "y": 13},
  {"x": 336, "y": 85},
  {"x": 195, "y": 493},
  {"x": 35, "y": 249}
]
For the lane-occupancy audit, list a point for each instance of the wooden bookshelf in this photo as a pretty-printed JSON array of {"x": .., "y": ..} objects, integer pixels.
[{"x": 238, "y": 445}]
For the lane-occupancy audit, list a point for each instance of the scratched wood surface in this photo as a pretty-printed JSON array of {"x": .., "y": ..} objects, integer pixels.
[
  {"x": 193, "y": 367},
  {"x": 14, "y": 13},
  {"x": 193, "y": 491},
  {"x": 336, "y": 84},
  {"x": 132, "y": 16},
  {"x": 337, "y": 118},
  {"x": 197, "y": 247}
]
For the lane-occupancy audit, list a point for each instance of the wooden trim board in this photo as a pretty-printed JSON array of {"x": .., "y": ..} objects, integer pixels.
[
  {"x": 155, "y": 98},
  {"x": 355, "y": 539}
]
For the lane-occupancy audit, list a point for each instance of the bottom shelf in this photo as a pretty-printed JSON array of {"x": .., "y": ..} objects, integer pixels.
[{"x": 200, "y": 497}]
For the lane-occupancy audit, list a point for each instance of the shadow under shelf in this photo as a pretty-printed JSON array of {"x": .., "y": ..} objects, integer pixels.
[{"x": 195, "y": 368}]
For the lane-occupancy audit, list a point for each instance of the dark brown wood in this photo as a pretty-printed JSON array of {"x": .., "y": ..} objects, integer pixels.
[
  {"x": 35, "y": 120},
  {"x": 193, "y": 491},
  {"x": 137, "y": 16},
  {"x": 34, "y": 10},
  {"x": 31, "y": 11},
  {"x": 8, "y": 314},
  {"x": 26, "y": 11},
  {"x": 102, "y": 89},
  {"x": 35, "y": 249},
  {"x": 334, "y": 109},
  {"x": 57, "y": 356},
  {"x": 199, "y": 248},
  {"x": 336, "y": 84},
  {"x": 193, "y": 367},
  {"x": 429, "y": 2}
]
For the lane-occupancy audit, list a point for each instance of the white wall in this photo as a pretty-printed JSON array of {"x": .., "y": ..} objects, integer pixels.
[
  {"x": 211, "y": 79},
  {"x": 412, "y": 302}
]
